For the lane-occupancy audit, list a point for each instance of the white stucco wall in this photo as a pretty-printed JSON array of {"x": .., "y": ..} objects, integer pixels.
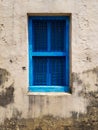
[{"x": 14, "y": 56}]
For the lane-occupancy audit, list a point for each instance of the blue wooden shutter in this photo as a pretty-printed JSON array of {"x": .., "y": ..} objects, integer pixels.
[{"x": 49, "y": 54}]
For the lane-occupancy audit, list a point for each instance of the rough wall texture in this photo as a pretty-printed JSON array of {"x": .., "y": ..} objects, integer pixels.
[{"x": 53, "y": 111}]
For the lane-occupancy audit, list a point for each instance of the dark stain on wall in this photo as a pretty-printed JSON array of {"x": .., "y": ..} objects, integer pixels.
[
  {"x": 6, "y": 91},
  {"x": 94, "y": 70},
  {"x": 7, "y": 96},
  {"x": 23, "y": 68},
  {"x": 3, "y": 76},
  {"x": 38, "y": 128},
  {"x": 36, "y": 100},
  {"x": 75, "y": 78},
  {"x": 87, "y": 121},
  {"x": 11, "y": 61},
  {"x": 16, "y": 113},
  {"x": 78, "y": 121}
]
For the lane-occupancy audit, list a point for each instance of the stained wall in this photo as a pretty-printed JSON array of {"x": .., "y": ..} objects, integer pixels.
[{"x": 15, "y": 100}]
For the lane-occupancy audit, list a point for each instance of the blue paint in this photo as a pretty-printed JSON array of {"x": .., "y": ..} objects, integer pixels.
[
  {"x": 30, "y": 30},
  {"x": 48, "y": 72},
  {"x": 48, "y": 53},
  {"x": 49, "y": 89},
  {"x": 55, "y": 58},
  {"x": 49, "y": 17},
  {"x": 49, "y": 36},
  {"x": 67, "y": 51}
]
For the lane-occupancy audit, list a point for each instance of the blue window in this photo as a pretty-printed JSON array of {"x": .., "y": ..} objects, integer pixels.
[{"x": 49, "y": 53}]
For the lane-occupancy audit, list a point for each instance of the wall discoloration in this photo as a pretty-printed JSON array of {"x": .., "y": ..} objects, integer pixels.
[
  {"x": 7, "y": 96},
  {"x": 87, "y": 121},
  {"x": 2, "y": 33},
  {"x": 6, "y": 88},
  {"x": 3, "y": 76},
  {"x": 75, "y": 78},
  {"x": 16, "y": 114},
  {"x": 78, "y": 109},
  {"x": 87, "y": 79}
]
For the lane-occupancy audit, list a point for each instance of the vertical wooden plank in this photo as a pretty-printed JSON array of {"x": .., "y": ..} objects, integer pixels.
[
  {"x": 67, "y": 51},
  {"x": 49, "y": 35},
  {"x": 48, "y": 80},
  {"x": 30, "y": 52}
]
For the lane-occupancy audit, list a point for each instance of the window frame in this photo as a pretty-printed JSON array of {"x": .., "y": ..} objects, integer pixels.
[{"x": 46, "y": 88}]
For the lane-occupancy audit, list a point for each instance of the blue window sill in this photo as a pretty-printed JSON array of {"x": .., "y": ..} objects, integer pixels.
[{"x": 49, "y": 89}]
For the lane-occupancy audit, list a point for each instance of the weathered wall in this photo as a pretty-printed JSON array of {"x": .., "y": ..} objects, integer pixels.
[{"x": 80, "y": 107}]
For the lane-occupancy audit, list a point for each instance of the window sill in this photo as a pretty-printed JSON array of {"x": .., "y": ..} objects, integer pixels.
[{"x": 49, "y": 93}]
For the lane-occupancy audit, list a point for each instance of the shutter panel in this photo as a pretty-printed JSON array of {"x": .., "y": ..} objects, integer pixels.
[
  {"x": 57, "y": 65},
  {"x": 57, "y": 35},
  {"x": 40, "y": 70},
  {"x": 40, "y": 35}
]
